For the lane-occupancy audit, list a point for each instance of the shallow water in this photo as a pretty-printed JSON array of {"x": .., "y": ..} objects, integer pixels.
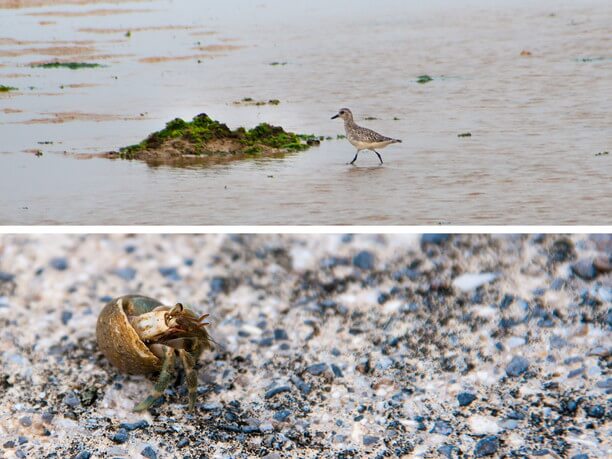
[{"x": 536, "y": 121}]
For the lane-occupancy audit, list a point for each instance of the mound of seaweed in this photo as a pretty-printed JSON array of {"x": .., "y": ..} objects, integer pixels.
[{"x": 204, "y": 138}]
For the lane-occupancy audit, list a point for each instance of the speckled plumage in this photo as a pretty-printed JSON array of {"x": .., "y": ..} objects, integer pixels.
[{"x": 363, "y": 138}]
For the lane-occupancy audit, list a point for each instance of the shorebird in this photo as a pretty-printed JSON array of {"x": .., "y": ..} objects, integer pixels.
[{"x": 362, "y": 138}]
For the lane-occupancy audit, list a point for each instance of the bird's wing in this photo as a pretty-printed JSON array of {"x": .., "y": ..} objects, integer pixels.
[{"x": 370, "y": 135}]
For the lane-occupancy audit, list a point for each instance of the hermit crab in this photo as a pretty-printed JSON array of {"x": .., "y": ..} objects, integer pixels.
[{"x": 140, "y": 335}]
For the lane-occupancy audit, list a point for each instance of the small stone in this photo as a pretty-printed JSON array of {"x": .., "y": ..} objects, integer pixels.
[
  {"x": 182, "y": 443},
  {"x": 487, "y": 446},
  {"x": 266, "y": 342},
  {"x": 281, "y": 415},
  {"x": 517, "y": 366},
  {"x": 580, "y": 456},
  {"x": 465, "y": 398},
  {"x": 276, "y": 390},
  {"x": 436, "y": 239},
  {"x": 280, "y": 335},
  {"x": 66, "y": 316},
  {"x": 71, "y": 399},
  {"x": 59, "y": 263},
  {"x": 47, "y": 417},
  {"x": 584, "y": 269},
  {"x": 302, "y": 386},
  {"x": 337, "y": 371},
  {"x": 364, "y": 260},
  {"x": 561, "y": 250},
  {"x": 83, "y": 455},
  {"x": 441, "y": 428},
  {"x": 20, "y": 454},
  {"x": 603, "y": 264},
  {"x": 218, "y": 285},
  {"x": 120, "y": 437},
  {"x": 25, "y": 421},
  {"x": 127, "y": 274},
  {"x": 447, "y": 450},
  {"x": 265, "y": 427},
  {"x": 370, "y": 440},
  {"x": 317, "y": 369},
  {"x": 596, "y": 411},
  {"x": 6, "y": 277},
  {"x": 170, "y": 273},
  {"x": 149, "y": 453},
  {"x": 22, "y": 440},
  {"x": 130, "y": 426},
  {"x": 470, "y": 281},
  {"x": 9, "y": 444}
]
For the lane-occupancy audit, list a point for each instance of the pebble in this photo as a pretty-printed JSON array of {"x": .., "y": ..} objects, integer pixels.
[
  {"x": 127, "y": 274},
  {"x": 517, "y": 366},
  {"x": 66, "y": 316},
  {"x": 364, "y": 260},
  {"x": 584, "y": 269},
  {"x": 280, "y": 335},
  {"x": 22, "y": 440},
  {"x": 149, "y": 453},
  {"x": 9, "y": 444},
  {"x": 469, "y": 281},
  {"x": 130, "y": 426},
  {"x": 317, "y": 369},
  {"x": 487, "y": 446},
  {"x": 71, "y": 399},
  {"x": 337, "y": 371},
  {"x": 83, "y": 455},
  {"x": 447, "y": 450},
  {"x": 25, "y": 421},
  {"x": 465, "y": 398},
  {"x": 170, "y": 273},
  {"x": 276, "y": 390},
  {"x": 6, "y": 277},
  {"x": 596, "y": 411},
  {"x": 218, "y": 285},
  {"x": 59, "y": 263},
  {"x": 580, "y": 456},
  {"x": 442, "y": 428},
  {"x": 121, "y": 436},
  {"x": 182, "y": 443},
  {"x": 435, "y": 239},
  {"x": 281, "y": 415},
  {"x": 370, "y": 440}
]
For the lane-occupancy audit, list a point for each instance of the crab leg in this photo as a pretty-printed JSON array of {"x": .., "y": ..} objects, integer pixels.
[
  {"x": 190, "y": 376},
  {"x": 165, "y": 377}
]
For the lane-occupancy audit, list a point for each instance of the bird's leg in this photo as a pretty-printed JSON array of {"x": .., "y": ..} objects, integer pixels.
[
  {"x": 165, "y": 376},
  {"x": 355, "y": 158},
  {"x": 190, "y": 376},
  {"x": 379, "y": 157}
]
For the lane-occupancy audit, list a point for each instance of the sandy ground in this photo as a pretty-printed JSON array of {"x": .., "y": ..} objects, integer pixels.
[{"x": 329, "y": 346}]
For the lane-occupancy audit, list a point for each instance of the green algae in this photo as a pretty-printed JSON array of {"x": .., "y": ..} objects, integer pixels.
[
  {"x": 251, "y": 101},
  {"x": 203, "y": 135},
  {"x": 68, "y": 65},
  {"x": 422, "y": 79},
  {"x": 465, "y": 134},
  {"x": 7, "y": 88}
]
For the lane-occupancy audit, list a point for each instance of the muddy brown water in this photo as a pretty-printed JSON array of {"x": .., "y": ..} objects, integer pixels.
[{"x": 537, "y": 121}]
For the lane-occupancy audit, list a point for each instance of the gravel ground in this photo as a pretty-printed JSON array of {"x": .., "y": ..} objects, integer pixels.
[{"x": 328, "y": 346}]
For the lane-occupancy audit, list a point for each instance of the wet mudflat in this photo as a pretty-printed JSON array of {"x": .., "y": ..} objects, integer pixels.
[
  {"x": 526, "y": 81},
  {"x": 335, "y": 346}
]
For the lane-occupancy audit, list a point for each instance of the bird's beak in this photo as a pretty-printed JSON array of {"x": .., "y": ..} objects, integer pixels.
[{"x": 334, "y": 117}]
